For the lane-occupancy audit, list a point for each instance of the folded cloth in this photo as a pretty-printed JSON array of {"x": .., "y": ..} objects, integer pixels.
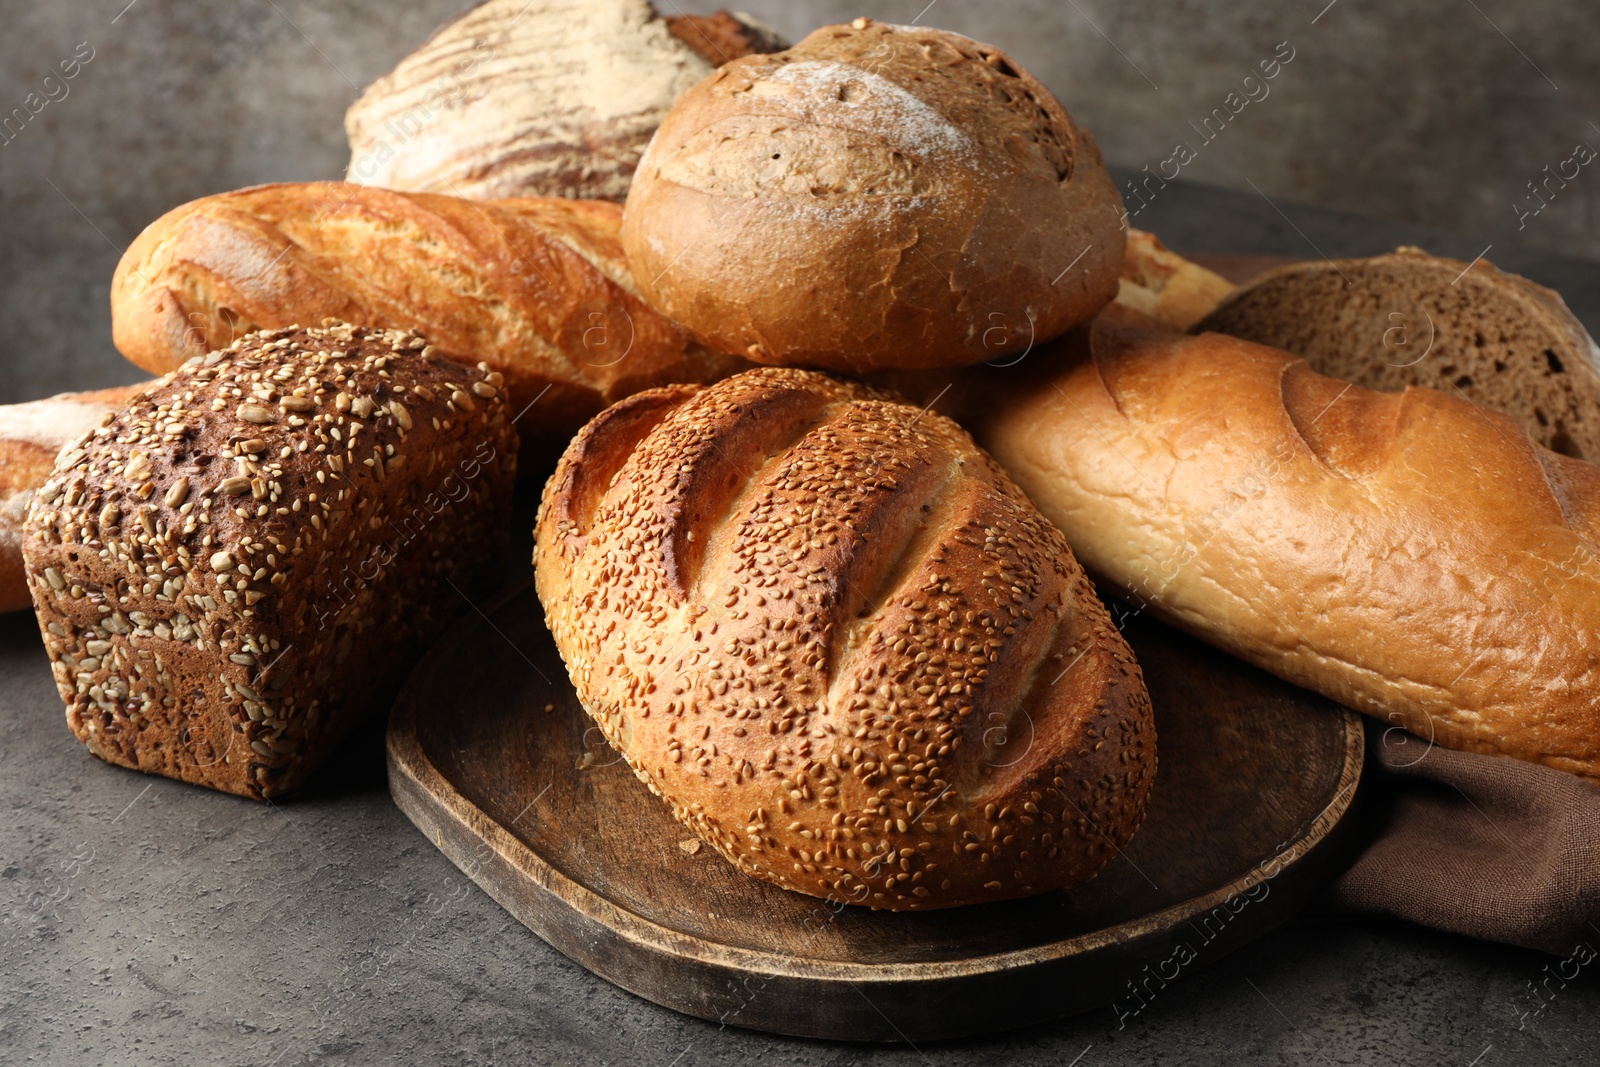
[{"x": 1487, "y": 846}]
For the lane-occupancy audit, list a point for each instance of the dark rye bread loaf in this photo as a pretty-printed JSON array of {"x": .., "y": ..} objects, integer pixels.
[
  {"x": 842, "y": 645},
  {"x": 1409, "y": 318},
  {"x": 241, "y": 563}
]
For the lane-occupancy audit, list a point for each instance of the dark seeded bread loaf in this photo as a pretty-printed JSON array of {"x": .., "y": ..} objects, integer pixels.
[
  {"x": 1409, "y": 318},
  {"x": 243, "y": 562},
  {"x": 837, "y": 639}
]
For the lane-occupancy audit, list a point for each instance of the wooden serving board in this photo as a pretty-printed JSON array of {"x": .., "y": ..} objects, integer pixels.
[{"x": 493, "y": 759}]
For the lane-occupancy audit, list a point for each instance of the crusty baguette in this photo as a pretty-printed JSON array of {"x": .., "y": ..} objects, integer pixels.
[
  {"x": 837, "y": 639},
  {"x": 536, "y": 288},
  {"x": 245, "y": 560},
  {"x": 1408, "y": 318},
  {"x": 31, "y": 435},
  {"x": 1407, "y": 554},
  {"x": 1170, "y": 290}
]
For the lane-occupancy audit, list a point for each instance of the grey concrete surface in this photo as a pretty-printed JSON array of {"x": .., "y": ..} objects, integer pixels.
[{"x": 1434, "y": 114}]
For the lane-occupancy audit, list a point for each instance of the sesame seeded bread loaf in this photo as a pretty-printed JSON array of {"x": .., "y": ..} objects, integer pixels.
[
  {"x": 245, "y": 560},
  {"x": 875, "y": 198},
  {"x": 841, "y": 644},
  {"x": 537, "y": 97},
  {"x": 1407, "y": 554},
  {"x": 536, "y": 288},
  {"x": 31, "y": 436},
  {"x": 1409, "y": 318}
]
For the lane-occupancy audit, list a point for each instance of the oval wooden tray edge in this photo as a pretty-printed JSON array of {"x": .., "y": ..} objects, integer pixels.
[{"x": 419, "y": 790}]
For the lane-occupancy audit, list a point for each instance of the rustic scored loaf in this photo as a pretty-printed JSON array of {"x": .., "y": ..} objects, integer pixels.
[
  {"x": 537, "y": 97},
  {"x": 31, "y": 436},
  {"x": 536, "y": 288},
  {"x": 833, "y": 635},
  {"x": 1409, "y": 318},
  {"x": 875, "y": 198},
  {"x": 245, "y": 560},
  {"x": 1410, "y": 555}
]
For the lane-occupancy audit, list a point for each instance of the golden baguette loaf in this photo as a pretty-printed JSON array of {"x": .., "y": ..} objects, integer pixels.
[
  {"x": 536, "y": 288},
  {"x": 1410, "y": 555},
  {"x": 1171, "y": 290},
  {"x": 31, "y": 435},
  {"x": 843, "y": 646}
]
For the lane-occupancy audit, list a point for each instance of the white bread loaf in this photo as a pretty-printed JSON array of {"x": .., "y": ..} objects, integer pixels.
[{"x": 1410, "y": 555}]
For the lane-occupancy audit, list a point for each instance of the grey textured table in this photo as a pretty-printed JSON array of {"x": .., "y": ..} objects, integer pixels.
[{"x": 151, "y": 922}]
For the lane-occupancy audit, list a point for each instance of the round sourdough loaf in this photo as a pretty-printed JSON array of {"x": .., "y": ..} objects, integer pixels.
[
  {"x": 516, "y": 98},
  {"x": 842, "y": 645},
  {"x": 877, "y": 197}
]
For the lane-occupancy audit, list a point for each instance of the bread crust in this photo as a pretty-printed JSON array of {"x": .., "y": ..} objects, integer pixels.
[
  {"x": 536, "y": 97},
  {"x": 875, "y": 198},
  {"x": 1170, "y": 291},
  {"x": 536, "y": 288},
  {"x": 31, "y": 435},
  {"x": 1410, "y": 555},
  {"x": 243, "y": 561},
  {"x": 841, "y": 644},
  {"x": 1410, "y": 318}
]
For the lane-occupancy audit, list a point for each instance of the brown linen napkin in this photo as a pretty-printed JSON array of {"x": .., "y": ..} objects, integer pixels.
[{"x": 1487, "y": 846}]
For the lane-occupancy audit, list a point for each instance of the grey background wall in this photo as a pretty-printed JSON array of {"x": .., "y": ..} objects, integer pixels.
[{"x": 1437, "y": 113}]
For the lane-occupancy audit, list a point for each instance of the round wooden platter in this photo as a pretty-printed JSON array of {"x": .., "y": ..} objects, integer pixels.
[{"x": 492, "y": 757}]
